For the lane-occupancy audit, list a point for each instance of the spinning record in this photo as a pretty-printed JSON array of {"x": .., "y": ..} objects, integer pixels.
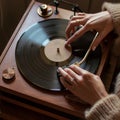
[{"x": 40, "y": 51}]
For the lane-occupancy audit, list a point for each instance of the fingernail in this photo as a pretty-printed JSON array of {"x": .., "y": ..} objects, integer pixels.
[
  {"x": 93, "y": 49},
  {"x": 59, "y": 68},
  {"x": 67, "y": 44}
]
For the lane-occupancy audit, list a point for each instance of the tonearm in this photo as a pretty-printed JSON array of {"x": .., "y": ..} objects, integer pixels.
[{"x": 75, "y": 7}]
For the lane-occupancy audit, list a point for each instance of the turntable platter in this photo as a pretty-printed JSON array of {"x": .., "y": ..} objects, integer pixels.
[{"x": 39, "y": 52}]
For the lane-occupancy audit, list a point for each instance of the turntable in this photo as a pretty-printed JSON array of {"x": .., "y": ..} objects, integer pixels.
[{"x": 34, "y": 53}]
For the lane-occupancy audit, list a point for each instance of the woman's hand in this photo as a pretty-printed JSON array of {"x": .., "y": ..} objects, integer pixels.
[
  {"x": 85, "y": 85},
  {"x": 101, "y": 22}
]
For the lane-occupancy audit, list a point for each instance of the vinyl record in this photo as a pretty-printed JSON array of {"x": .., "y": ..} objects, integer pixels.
[{"x": 38, "y": 62}]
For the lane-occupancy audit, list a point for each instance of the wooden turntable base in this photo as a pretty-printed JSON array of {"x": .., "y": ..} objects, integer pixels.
[{"x": 19, "y": 97}]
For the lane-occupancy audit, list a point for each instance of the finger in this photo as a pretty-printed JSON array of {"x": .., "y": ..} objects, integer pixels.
[
  {"x": 82, "y": 74},
  {"x": 77, "y": 35},
  {"x": 75, "y": 76},
  {"x": 63, "y": 73},
  {"x": 77, "y": 17},
  {"x": 71, "y": 26},
  {"x": 66, "y": 84},
  {"x": 77, "y": 69},
  {"x": 81, "y": 14},
  {"x": 67, "y": 78}
]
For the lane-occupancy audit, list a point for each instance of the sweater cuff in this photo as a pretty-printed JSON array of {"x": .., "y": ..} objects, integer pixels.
[
  {"x": 105, "y": 109},
  {"x": 114, "y": 10}
]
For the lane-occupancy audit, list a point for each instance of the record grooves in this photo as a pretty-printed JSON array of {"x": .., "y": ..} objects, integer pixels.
[{"x": 31, "y": 57}]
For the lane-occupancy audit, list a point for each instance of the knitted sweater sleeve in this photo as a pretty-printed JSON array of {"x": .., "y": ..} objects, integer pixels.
[
  {"x": 108, "y": 108},
  {"x": 114, "y": 10}
]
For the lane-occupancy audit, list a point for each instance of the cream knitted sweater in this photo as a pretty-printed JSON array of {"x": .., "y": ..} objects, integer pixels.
[{"x": 108, "y": 108}]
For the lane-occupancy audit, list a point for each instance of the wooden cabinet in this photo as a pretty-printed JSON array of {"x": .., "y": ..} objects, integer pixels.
[{"x": 19, "y": 97}]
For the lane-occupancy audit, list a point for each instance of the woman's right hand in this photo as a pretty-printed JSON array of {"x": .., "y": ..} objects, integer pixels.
[{"x": 100, "y": 22}]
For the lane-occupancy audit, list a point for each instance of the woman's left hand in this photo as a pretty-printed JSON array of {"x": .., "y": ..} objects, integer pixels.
[{"x": 85, "y": 85}]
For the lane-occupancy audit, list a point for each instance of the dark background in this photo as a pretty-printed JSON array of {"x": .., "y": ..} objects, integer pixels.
[{"x": 11, "y": 12}]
